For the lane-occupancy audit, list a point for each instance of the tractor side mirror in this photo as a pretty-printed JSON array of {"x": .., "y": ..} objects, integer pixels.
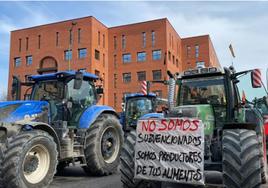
[
  {"x": 78, "y": 80},
  {"x": 256, "y": 78},
  {"x": 99, "y": 90}
]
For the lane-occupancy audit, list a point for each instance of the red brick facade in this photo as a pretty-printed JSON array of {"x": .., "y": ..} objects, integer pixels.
[{"x": 121, "y": 55}]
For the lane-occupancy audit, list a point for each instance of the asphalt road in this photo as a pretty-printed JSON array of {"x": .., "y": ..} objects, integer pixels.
[{"x": 74, "y": 177}]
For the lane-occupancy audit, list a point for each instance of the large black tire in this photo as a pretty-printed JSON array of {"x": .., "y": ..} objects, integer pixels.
[
  {"x": 30, "y": 160},
  {"x": 103, "y": 144},
  {"x": 262, "y": 146},
  {"x": 127, "y": 165},
  {"x": 241, "y": 159},
  {"x": 1, "y": 168}
]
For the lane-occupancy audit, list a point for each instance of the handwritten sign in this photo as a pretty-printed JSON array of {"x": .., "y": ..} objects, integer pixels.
[{"x": 170, "y": 150}]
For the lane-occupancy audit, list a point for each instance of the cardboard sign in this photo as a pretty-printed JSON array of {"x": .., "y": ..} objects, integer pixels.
[{"x": 170, "y": 150}]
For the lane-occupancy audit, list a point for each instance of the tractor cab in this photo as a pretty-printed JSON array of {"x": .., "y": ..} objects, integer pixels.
[
  {"x": 68, "y": 93},
  {"x": 136, "y": 105}
]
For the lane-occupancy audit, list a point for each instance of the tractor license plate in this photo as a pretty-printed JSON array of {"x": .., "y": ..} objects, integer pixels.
[{"x": 170, "y": 149}]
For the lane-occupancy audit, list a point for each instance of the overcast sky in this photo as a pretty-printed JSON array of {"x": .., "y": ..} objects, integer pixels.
[{"x": 244, "y": 24}]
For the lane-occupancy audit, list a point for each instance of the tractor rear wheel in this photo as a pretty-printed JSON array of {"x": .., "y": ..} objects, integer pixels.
[
  {"x": 127, "y": 166},
  {"x": 30, "y": 160},
  {"x": 103, "y": 144},
  {"x": 241, "y": 159}
]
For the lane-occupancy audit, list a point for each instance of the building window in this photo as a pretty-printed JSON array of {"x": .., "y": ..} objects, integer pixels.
[
  {"x": 97, "y": 54},
  {"x": 79, "y": 35},
  {"x": 27, "y": 43},
  {"x": 126, "y": 58},
  {"x": 98, "y": 38},
  {"x": 169, "y": 55},
  {"x": 67, "y": 55},
  {"x": 17, "y": 61},
  {"x": 196, "y": 51},
  {"x": 57, "y": 38},
  {"x": 115, "y": 100},
  {"x": 127, "y": 77},
  {"x": 82, "y": 70},
  {"x": 29, "y": 60},
  {"x": 123, "y": 41},
  {"x": 82, "y": 53},
  {"x": 115, "y": 62},
  {"x": 158, "y": 93},
  {"x": 177, "y": 63},
  {"x": 156, "y": 54},
  {"x": 141, "y": 56},
  {"x": 19, "y": 45},
  {"x": 103, "y": 41},
  {"x": 115, "y": 44},
  {"x": 39, "y": 41},
  {"x": 97, "y": 73},
  {"x": 141, "y": 75},
  {"x": 153, "y": 38},
  {"x": 173, "y": 59},
  {"x": 115, "y": 80},
  {"x": 70, "y": 36},
  {"x": 103, "y": 59},
  {"x": 188, "y": 51},
  {"x": 157, "y": 75},
  {"x": 143, "y": 39},
  {"x": 200, "y": 64}
]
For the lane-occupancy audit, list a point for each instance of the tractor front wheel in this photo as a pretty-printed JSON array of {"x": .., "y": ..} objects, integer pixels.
[
  {"x": 103, "y": 145},
  {"x": 241, "y": 159},
  {"x": 1, "y": 168},
  {"x": 30, "y": 160}
]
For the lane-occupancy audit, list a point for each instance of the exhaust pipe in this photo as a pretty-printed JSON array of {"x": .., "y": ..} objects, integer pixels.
[{"x": 171, "y": 90}]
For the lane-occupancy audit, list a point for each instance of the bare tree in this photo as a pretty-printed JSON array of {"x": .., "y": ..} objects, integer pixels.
[{"x": 3, "y": 96}]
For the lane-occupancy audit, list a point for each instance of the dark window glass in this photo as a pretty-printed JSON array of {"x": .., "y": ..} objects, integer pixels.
[
  {"x": 29, "y": 60},
  {"x": 156, "y": 54},
  {"x": 115, "y": 80},
  {"x": 123, "y": 41},
  {"x": 173, "y": 59},
  {"x": 115, "y": 44},
  {"x": 19, "y": 45},
  {"x": 143, "y": 39},
  {"x": 157, "y": 75},
  {"x": 126, "y": 58},
  {"x": 127, "y": 77},
  {"x": 57, "y": 38},
  {"x": 196, "y": 50},
  {"x": 169, "y": 56},
  {"x": 177, "y": 62},
  {"x": 17, "y": 61},
  {"x": 79, "y": 35},
  {"x": 141, "y": 56},
  {"x": 115, "y": 62},
  {"x": 70, "y": 37},
  {"x": 97, "y": 54},
  {"x": 141, "y": 75},
  {"x": 68, "y": 55},
  {"x": 82, "y": 53},
  {"x": 39, "y": 41},
  {"x": 153, "y": 38},
  {"x": 103, "y": 59},
  {"x": 27, "y": 43}
]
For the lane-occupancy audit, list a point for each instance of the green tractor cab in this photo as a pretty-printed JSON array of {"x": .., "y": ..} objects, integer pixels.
[{"x": 233, "y": 133}]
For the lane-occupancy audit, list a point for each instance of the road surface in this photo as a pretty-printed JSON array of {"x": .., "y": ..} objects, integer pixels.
[{"x": 74, "y": 177}]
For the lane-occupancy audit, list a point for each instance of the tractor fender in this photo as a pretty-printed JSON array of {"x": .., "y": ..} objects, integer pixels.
[
  {"x": 92, "y": 113},
  {"x": 235, "y": 125},
  {"x": 44, "y": 127}
]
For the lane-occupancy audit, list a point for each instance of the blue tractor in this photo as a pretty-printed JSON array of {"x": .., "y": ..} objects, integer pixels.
[
  {"x": 61, "y": 124},
  {"x": 136, "y": 105}
]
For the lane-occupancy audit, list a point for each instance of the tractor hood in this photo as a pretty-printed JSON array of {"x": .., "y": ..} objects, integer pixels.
[{"x": 14, "y": 111}]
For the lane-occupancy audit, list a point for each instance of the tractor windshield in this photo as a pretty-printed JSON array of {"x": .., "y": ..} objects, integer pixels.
[
  {"x": 202, "y": 91},
  {"x": 137, "y": 107},
  {"x": 48, "y": 90}
]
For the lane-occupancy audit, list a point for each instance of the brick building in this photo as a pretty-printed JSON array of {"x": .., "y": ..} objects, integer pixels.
[{"x": 123, "y": 55}]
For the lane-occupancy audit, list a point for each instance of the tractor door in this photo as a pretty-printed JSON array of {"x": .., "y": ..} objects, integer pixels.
[{"x": 80, "y": 99}]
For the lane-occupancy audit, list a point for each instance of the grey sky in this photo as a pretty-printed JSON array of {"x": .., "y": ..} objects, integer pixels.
[{"x": 244, "y": 24}]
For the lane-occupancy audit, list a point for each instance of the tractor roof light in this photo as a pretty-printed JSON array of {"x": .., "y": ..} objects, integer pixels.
[{"x": 201, "y": 71}]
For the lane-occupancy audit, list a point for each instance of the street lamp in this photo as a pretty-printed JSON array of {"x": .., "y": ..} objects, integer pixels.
[{"x": 70, "y": 44}]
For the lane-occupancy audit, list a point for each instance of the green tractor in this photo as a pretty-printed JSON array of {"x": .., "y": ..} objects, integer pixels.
[{"x": 234, "y": 142}]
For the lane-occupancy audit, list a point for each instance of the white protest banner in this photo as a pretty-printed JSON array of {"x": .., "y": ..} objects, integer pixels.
[{"x": 170, "y": 149}]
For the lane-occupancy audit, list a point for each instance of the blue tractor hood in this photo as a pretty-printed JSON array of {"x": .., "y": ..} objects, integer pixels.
[{"x": 13, "y": 111}]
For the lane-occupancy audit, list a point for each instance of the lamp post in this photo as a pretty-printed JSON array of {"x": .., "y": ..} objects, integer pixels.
[{"x": 70, "y": 44}]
